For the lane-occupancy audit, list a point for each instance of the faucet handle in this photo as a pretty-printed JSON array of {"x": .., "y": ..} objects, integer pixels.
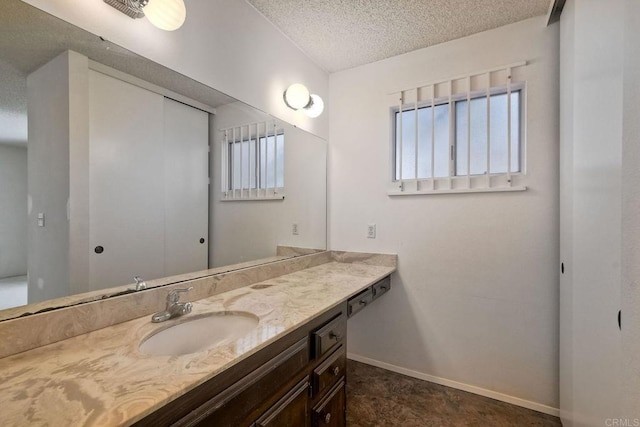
[
  {"x": 140, "y": 283},
  {"x": 174, "y": 294}
]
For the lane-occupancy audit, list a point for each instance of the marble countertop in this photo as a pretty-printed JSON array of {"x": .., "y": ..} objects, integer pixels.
[{"x": 101, "y": 378}]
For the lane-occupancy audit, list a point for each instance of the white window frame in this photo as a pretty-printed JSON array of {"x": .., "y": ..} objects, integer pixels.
[
  {"x": 467, "y": 183},
  {"x": 252, "y": 133}
]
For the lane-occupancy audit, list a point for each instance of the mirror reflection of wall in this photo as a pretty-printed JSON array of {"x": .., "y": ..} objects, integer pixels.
[
  {"x": 295, "y": 216},
  {"x": 13, "y": 225},
  {"x": 13, "y": 186}
]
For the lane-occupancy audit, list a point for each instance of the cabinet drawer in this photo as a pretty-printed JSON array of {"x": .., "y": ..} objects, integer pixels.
[
  {"x": 231, "y": 407},
  {"x": 359, "y": 302},
  {"x": 381, "y": 287},
  {"x": 329, "y": 336},
  {"x": 331, "y": 411},
  {"x": 330, "y": 371},
  {"x": 291, "y": 410}
]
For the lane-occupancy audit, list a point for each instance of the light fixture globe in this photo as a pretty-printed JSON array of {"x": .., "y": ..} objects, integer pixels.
[
  {"x": 297, "y": 96},
  {"x": 168, "y": 15},
  {"x": 316, "y": 108}
]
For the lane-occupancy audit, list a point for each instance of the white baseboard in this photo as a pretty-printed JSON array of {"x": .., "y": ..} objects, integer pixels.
[{"x": 457, "y": 385}]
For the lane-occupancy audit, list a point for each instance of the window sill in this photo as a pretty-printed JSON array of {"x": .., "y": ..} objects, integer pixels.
[
  {"x": 456, "y": 191},
  {"x": 252, "y": 198}
]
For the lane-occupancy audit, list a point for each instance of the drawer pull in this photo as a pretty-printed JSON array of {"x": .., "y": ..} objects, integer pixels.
[
  {"x": 335, "y": 336},
  {"x": 336, "y": 371},
  {"x": 362, "y": 302},
  {"x": 327, "y": 418}
]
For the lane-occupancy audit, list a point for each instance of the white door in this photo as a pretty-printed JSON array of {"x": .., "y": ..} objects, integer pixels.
[
  {"x": 591, "y": 217},
  {"x": 186, "y": 160},
  {"x": 126, "y": 182}
]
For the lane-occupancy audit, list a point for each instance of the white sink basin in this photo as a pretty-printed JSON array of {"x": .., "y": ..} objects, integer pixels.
[{"x": 199, "y": 333}]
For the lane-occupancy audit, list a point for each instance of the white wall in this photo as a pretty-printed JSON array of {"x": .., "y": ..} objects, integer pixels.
[
  {"x": 476, "y": 293},
  {"x": 630, "y": 218},
  {"x": 243, "y": 231},
  {"x": 13, "y": 210},
  {"x": 48, "y": 101},
  {"x": 58, "y": 177},
  {"x": 225, "y": 44},
  {"x": 79, "y": 178},
  {"x": 592, "y": 56}
]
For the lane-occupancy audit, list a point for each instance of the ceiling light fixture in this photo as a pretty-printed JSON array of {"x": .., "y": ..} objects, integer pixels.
[
  {"x": 297, "y": 97},
  {"x": 168, "y": 15}
]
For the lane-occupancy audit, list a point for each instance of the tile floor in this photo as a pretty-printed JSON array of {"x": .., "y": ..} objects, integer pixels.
[{"x": 377, "y": 397}]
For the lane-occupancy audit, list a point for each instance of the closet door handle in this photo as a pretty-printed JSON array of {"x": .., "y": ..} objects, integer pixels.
[{"x": 620, "y": 319}]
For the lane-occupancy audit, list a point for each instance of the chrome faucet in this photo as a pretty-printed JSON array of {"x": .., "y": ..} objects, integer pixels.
[
  {"x": 174, "y": 308},
  {"x": 140, "y": 284}
]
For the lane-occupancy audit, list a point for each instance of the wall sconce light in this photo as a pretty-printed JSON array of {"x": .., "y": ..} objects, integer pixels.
[
  {"x": 297, "y": 97},
  {"x": 168, "y": 15}
]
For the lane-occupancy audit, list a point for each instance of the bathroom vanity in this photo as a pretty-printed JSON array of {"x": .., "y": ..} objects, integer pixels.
[
  {"x": 298, "y": 381},
  {"x": 303, "y": 370},
  {"x": 289, "y": 370}
]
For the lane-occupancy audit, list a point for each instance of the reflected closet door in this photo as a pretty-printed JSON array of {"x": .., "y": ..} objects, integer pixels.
[
  {"x": 127, "y": 199},
  {"x": 186, "y": 165}
]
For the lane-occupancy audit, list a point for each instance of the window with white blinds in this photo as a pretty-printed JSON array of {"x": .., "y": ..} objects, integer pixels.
[
  {"x": 253, "y": 162},
  {"x": 465, "y": 134}
]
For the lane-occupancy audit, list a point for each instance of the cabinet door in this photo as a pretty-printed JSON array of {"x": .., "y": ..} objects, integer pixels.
[
  {"x": 237, "y": 403},
  {"x": 331, "y": 411},
  {"x": 290, "y": 411},
  {"x": 186, "y": 188},
  {"x": 126, "y": 182}
]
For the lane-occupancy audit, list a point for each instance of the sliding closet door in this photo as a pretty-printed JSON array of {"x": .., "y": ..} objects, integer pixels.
[
  {"x": 186, "y": 165},
  {"x": 127, "y": 198}
]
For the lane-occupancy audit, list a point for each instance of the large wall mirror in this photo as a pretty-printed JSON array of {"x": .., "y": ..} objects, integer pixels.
[{"x": 112, "y": 166}]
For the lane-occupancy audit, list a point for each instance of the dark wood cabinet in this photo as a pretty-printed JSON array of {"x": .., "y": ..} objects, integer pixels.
[
  {"x": 230, "y": 407},
  {"x": 381, "y": 287},
  {"x": 364, "y": 298},
  {"x": 359, "y": 302},
  {"x": 329, "y": 336},
  {"x": 332, "y": 410},
  {"x": 290, "y": 411},
  {"x": 330, "y": 371}
]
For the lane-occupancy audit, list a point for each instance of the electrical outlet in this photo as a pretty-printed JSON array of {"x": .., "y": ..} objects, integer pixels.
[
  {"x": 371, "y": 231},
  {"x": 294, "y": 229},
  {"x": 40, "y": 219}
]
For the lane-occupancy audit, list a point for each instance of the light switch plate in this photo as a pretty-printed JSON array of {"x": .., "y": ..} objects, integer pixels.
[{"x": 371, "y": 231}]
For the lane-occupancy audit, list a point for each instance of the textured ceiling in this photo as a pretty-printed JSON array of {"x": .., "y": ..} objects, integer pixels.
[
  {"x": 341, "y": 34},
  {"x": 13, "y": 105}
]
